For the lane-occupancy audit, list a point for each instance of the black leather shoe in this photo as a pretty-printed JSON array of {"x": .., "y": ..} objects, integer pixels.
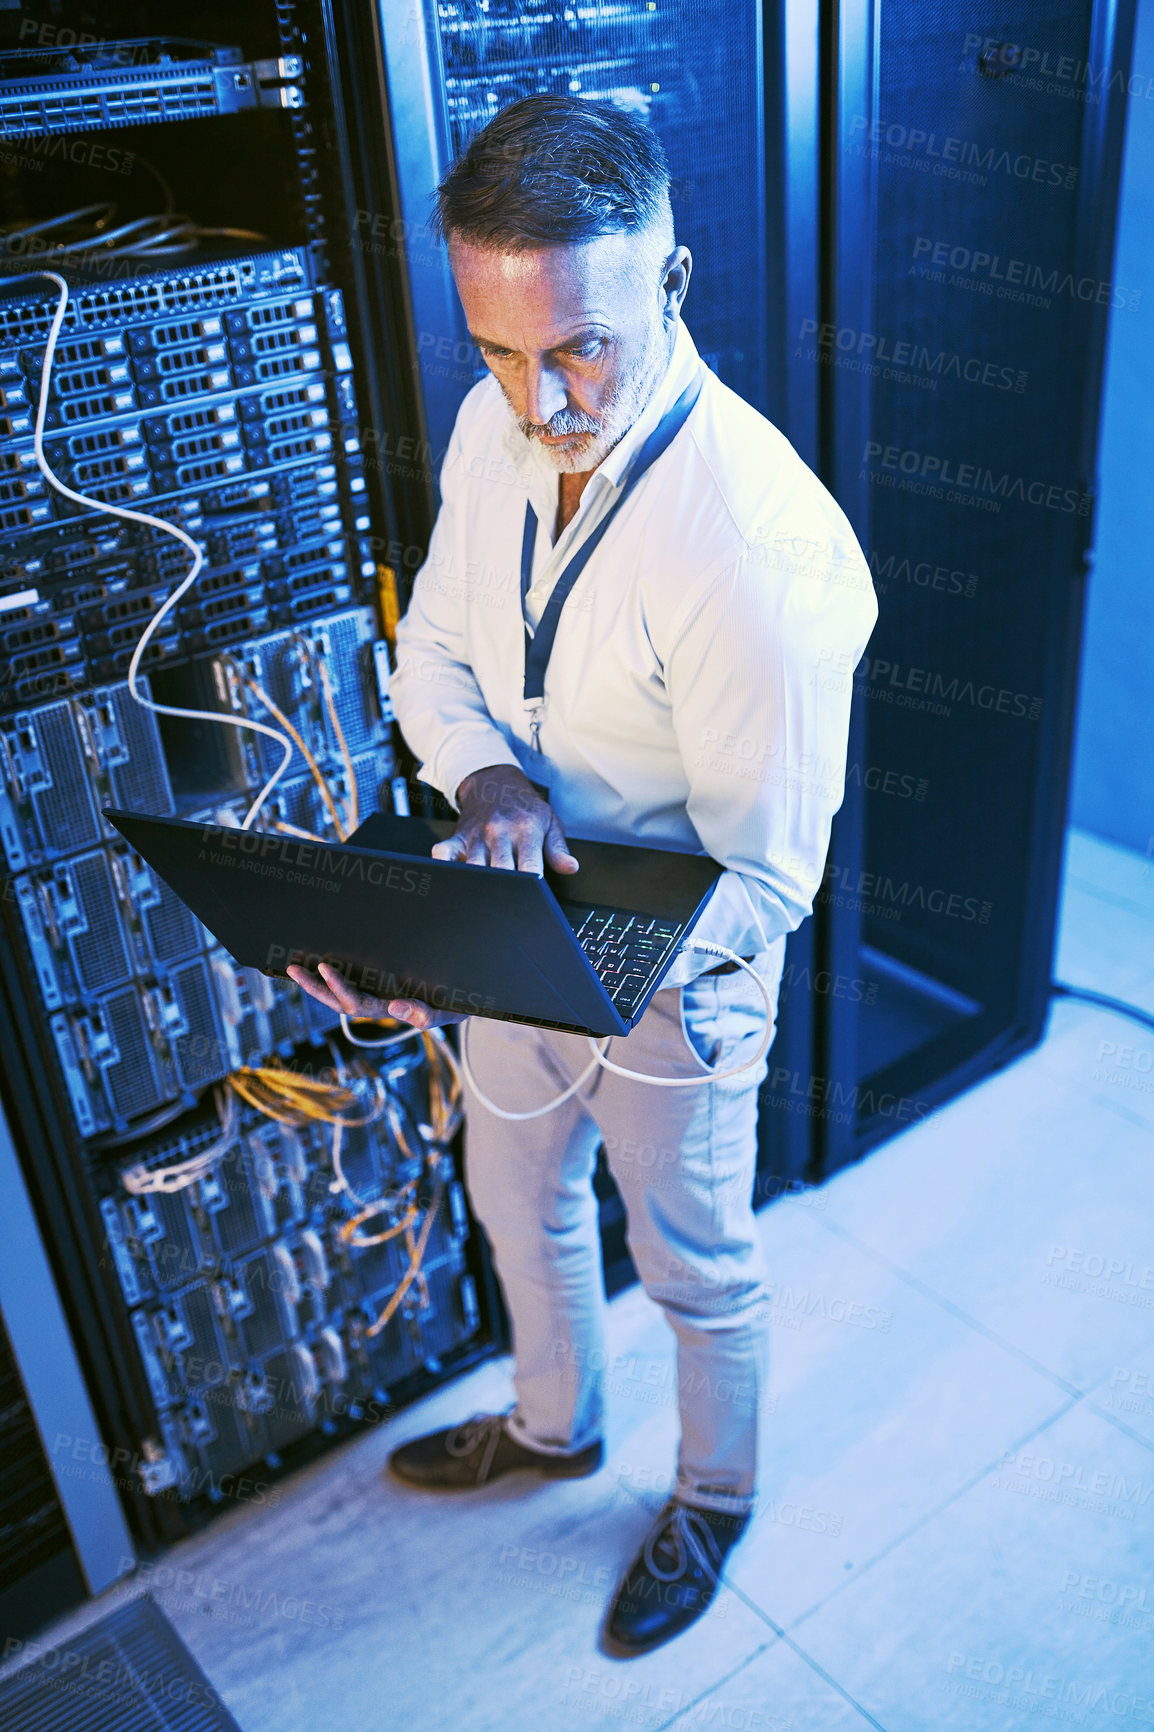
[
  {"x": 673, "y": 1578},
  {"x": 469, "y": 1455}
]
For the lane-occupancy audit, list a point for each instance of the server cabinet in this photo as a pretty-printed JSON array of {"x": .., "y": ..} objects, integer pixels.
[
  {"x": 994, "y": 156},
  {"x": 242, "y": 1282}
]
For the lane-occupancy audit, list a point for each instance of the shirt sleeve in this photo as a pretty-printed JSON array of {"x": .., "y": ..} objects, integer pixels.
[
  {"x": 760, "y": 678},
  {"x": 436, "y": 698}
]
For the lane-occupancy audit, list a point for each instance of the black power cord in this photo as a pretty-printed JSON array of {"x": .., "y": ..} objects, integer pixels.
[{"x": 1060, "y": 989}]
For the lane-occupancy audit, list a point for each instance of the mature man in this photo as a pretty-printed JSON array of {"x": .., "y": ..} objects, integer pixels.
[{"x": 695, "y": 696}]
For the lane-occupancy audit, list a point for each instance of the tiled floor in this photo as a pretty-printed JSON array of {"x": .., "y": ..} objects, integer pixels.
[{"x": 959, "y": 1525}]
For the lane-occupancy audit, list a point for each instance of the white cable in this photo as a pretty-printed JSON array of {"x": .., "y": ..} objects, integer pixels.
[
  {"x": 536, "y": 1112},
  {"x": 182, "y": 587},
  {"x": 140, "y": 1181},
  {"x": 668, "y": 1082},
  {"x": 389, "y": 1040}
]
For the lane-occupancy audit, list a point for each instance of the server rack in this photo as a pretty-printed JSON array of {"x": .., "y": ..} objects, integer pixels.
[
  {"x": 242, "y": 1283},
  {"x": 988, "y": 243}
]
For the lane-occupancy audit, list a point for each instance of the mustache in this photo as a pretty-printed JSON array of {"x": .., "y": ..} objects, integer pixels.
[{"x": 559, "y": 426}]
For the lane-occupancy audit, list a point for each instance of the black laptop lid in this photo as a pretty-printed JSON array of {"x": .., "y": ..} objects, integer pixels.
[
  {"x": 656, "y": 881},
  {"x": 458, "y": 937}
]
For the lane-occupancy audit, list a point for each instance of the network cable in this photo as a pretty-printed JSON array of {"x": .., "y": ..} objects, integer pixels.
[
  {"x": 599, "y": 1051},
  {"x": 181, "y": 590},
  {"x": 286, "y": 742},
  {"x": 140, "y": 1180},
  {"x": 156, "y": 236}
]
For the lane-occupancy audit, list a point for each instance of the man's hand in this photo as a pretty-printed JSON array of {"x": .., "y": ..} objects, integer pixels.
[
  {"x": 504, "y": 822},
  {"x": 330, "y": 988}
]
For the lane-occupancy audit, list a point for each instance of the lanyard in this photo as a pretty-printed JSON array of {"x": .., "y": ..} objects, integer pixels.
[{"x": 539, "y": 646}]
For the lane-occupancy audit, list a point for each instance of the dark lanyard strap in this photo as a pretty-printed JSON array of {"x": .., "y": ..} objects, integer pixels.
[{"x": 539, "y": 646}]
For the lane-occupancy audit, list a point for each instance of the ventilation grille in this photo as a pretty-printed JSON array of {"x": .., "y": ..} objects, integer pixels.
[{"x": 129, "y": 1671}]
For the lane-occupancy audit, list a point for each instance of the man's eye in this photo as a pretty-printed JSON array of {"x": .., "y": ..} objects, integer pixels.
[{"x": 585, "y": 351}]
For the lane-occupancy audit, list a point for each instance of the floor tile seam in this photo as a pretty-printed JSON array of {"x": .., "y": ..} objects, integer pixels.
[
  {"x": 1122, "y": 1112},
  {"x": 781, "y": 1634},
  {"x": 807, "y": 1659},
  {"x": 952, "y": 1309},
  {"x": 927, "y": 1516},
  {"x": 1113, "y": 898},
  {"x": 736, "y": 1672},
  {"x": 1119, "y": 1425}
]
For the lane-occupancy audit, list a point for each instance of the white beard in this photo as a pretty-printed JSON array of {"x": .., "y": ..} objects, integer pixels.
[{"x": 595, "y": 436}]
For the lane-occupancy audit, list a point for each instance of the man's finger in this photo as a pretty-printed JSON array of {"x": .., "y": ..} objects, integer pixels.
[
  {"x": 313, "y": 985},
  {"x": 452, "y": 848},
  {"x": 501, "y": 850},
  {"x": 361, "y": 1004},
  {"x": 557, "y": 852},
  {"x": 412, "y": 1010}
]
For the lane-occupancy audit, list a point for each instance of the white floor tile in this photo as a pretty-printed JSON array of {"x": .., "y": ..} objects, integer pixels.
[
  {"x": 1026, "y": 1204},
  {"x": 1029, "y": 1597},
  {"x": 775, "y": 1691}
]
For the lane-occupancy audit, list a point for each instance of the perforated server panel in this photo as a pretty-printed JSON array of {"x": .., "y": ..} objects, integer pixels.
[
  {"x": 295, "y": 1285},
  {"x": 693, "y": 72}
]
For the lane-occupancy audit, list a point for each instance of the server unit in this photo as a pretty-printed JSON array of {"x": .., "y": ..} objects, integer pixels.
[
  {"x": 994, "y": 157},
  {"x": 257, "y": 1230}
]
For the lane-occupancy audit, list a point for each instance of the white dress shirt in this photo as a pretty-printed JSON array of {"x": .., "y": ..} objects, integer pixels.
[{"x": 698, "y": 692}]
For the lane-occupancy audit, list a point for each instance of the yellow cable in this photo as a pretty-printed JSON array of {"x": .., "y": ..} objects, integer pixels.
[
  {"x": 348, "y": 1229},
  {"x": 272, "y": 709},
  {"x": 353, "y": 814},
  {"x": 416, "y": 1253},
  {"x": 305, "y": 835}
]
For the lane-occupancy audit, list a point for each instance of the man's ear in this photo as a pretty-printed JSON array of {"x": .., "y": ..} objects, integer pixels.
[{"x": 674, "y": 282}]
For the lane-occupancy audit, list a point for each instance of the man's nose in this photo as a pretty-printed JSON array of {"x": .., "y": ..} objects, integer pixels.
[{"x": 545, "y": 394}]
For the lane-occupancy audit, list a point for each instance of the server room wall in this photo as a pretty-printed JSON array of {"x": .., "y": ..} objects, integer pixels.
[
  {"x": 225, "y": 1315},
  {"x": 1113, "y": 778}
]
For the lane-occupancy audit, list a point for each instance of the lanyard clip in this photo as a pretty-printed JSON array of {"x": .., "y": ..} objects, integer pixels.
[{"x": 534, "y": 707}]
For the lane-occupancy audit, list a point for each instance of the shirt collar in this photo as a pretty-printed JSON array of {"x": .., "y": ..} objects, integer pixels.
[{"x": 538, "y": 475}]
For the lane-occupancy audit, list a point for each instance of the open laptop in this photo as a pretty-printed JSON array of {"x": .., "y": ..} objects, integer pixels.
[{"x": 584, "y": 953}]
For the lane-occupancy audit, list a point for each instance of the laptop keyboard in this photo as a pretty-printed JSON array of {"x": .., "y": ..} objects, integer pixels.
[{"x": 624, "y": 949}]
